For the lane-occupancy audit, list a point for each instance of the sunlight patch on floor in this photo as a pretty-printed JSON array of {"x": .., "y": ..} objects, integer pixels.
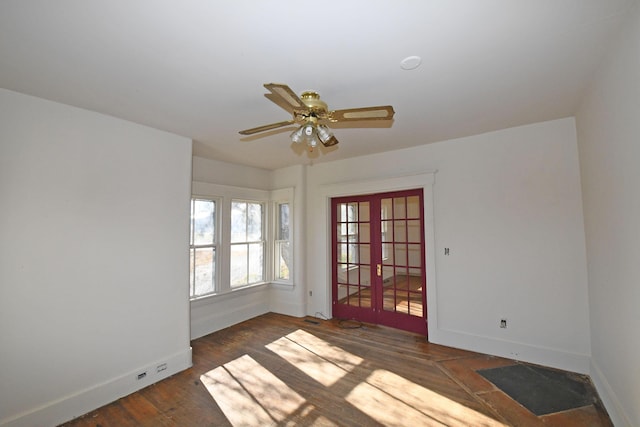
[
  {"x": 249, "y": 394},
  {"x": 395, "y": 401},
  {"x": 315, "y": 357}
]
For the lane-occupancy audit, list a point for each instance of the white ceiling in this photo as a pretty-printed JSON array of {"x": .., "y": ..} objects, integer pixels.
[{"x": 196, "y": 67}]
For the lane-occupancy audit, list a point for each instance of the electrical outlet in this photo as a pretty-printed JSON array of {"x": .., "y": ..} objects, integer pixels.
[
  {"x": 142, "y": 375},
  {"x": 503, "y": 323},
  {"x": 161, "y": 367}
]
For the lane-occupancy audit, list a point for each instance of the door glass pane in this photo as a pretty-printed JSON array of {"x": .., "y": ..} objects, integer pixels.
[
  {"x": 402, "y": 302},
  {"x": 399, "y": 208},
  {"x": 386, "y": 231},
  {"x": 342, "y": 232},
  {"x": 399, "y": 231},
  {"x": 354, "y": 299},
  {"x": 386, "y": 209},
  {"x": 414, "y": 255},
  {"x": 352, "y": 274},
  {"x": 413, "y": 231},
  {"x": 365, "y": 232},
  {"x": 364, "y": 212},
  {"x": 400, "y": 252},
  {"x": 365, "y": 254},
  {"x": 415, "y": 304},
  {"x": 415, "y": 272},
  {"x": 388, "y": 302},
  {"x": 352, "y": 212},
  {"x": 413, "y": 207},
  {"x": 342, "y": 252},
  {"x": 365, "y": 275},
  {"x": 387, "y": 253}
]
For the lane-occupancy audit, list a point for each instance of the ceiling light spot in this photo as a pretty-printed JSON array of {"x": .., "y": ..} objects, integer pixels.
[{"x": 410, "y": 62}]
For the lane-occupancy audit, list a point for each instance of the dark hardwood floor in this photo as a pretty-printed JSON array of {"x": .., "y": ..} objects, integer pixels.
[{"x": 280, "y": 370}]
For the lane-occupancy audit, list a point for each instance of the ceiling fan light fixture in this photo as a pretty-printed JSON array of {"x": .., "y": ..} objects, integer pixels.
[
  {"x": 297, "y": 135},
  {"x": 308, "y": 133},
  {"x": 326, "y": 136},
  {"x": 309, "y": 130}
]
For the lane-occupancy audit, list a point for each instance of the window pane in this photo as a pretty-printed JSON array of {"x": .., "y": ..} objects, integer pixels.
[
  {"x": 203, "y": 216},
  {"x": 204, "y": 268},
  {"x": 192, "y": 268},
  {"x": 238, "y": 222},
  {"x": 282, "y": 262},
  {"x": 239, "y": 265},
  {"x": 283, "y": 221},
  {"x": 254, "y": 222},
  {"x": 256, "y": 251}
]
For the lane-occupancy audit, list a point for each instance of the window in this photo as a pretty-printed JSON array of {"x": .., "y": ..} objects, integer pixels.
[
  {"x": 282, "y": 249},
  {"x": 247, "y": 243},
  {"x": 202, "y": 247},
  {"x": 239, "y": 238}
]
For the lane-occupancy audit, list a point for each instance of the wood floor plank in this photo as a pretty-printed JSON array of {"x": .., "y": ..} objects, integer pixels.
[{"x": 279, "y": 370}]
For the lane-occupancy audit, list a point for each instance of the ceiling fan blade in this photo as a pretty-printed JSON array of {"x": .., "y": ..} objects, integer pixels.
[
  {"x": 384, "y": 112},
  {"x": 266, "y": 127},
  {"x": 284, "y": 97}
]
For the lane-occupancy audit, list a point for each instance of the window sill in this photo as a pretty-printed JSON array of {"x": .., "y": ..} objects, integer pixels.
[{"x": 221, "y": 296}]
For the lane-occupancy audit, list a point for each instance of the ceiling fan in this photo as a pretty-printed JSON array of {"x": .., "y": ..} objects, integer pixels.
[{"x": 313, "y": 115}]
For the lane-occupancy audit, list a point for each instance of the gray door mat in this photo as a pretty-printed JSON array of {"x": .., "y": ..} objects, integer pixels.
[{"x": 542, "y": 390}]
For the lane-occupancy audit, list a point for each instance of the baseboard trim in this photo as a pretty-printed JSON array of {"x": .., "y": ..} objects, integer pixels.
[
  {"x": 84, "y": 401},
  {"x": 553, "y": 358},
  {"x": 219, "y": 313},
  {"x": 609, "y": 398}
]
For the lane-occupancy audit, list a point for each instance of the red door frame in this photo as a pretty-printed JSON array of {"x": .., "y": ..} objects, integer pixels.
[{"x": 376, "y": 314}]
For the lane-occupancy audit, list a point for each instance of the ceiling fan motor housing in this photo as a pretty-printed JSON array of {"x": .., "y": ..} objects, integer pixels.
[{"x": 311, "y": 99}]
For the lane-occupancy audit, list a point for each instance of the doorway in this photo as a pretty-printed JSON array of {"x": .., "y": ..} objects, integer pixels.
[{"x": 378, "y": 259}]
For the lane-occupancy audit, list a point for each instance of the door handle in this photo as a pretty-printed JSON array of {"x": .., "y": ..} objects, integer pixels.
[{"x": 379, "y": 270}]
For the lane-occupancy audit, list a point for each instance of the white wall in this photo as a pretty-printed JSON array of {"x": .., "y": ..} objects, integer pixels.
[
  {"x": 608, "y": 124},
  {"x": 290, "y": 299},
  {"x": 223, "y": 173},
  {"x": 93, "y": 258},
  {"x": 508, "y": 205}
]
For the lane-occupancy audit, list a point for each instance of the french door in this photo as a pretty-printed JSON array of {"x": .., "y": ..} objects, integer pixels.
[{"x": 378, "y": 259}]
